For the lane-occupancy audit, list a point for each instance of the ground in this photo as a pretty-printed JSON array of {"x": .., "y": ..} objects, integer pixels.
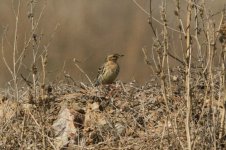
[{"x": 116, "y": 116}]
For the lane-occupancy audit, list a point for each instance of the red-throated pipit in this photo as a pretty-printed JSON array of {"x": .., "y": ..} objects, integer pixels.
[{"x": 108, "y": 72}]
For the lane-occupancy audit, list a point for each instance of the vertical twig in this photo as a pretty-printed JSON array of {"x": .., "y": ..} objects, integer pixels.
[
  {"x": 197, "y": 32},
  {"x": 180, "y": 25},
  {"x": 162, "y": 58},
  {"x": 44, "y": 63},
  {"x": 34, "y": 40},
  {"x": 14, "y": 75},
  {"x": 212, "y": 44},
  {"x": 223, "y": 50},
  {"x": 166, "y": 45},
  {"x": 188, "y": 73}
]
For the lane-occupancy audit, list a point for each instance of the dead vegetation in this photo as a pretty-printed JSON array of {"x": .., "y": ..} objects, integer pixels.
[
  {"x": 121, "y": 116},
  {"x": 180, "y": 107}
]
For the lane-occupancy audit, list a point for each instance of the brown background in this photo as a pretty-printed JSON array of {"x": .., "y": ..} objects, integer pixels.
[{"x": 88, "y": 31}]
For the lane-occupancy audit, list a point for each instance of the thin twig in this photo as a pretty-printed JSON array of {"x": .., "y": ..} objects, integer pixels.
[
  {"x": 188, "y": 74},
  {"x": 82, "y": 71},
  {"x": 142, "y": 9}
]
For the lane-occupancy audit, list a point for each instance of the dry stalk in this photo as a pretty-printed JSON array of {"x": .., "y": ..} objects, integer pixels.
[
  {"x": 188, "y": 73},
  {"x": 162, "y": 52},
  {"x": 180, "y": 26},
  {"x": 197, "y": 32},
  {"x": 212, "y": 49},
  {"x": 166, "y": 44},
  {"x": 144, "y": 50},
  {"x": 17, "y": 56},
  {"x": 222, "y": 29},
  {"x": 150, "y": 21},
  {"x": 44, "y": 64},
  {"x": 34, "y": 50},
  {"x": 162, "y": 58},
  {"x": 15, "y": 51},
  {"x": 13, "y": 69},
  {"x": 82, "y": 71},
  {"x": 158, "y": 21}
]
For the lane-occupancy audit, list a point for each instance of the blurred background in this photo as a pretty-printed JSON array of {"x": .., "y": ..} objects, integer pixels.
[{"x": 88, "y": 30}]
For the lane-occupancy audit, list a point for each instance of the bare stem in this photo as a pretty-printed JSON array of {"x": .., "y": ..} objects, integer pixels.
[
  {"x": 14, "y": 75},
  {"x": 188, "y": 73},
  {"x": 82, "y": 71}
]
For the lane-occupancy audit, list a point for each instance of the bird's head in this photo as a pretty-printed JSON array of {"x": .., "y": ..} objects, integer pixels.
[{"x": 113, "y": 57}]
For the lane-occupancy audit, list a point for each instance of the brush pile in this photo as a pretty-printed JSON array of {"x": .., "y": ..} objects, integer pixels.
[{"x": 117, "y": 116}]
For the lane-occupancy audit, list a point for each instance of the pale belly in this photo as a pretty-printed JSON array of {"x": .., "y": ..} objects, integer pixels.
[{"x": 110, "y": 77}]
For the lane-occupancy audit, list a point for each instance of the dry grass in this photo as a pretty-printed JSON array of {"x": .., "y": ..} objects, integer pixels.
[
  {"x": 180, "y": 107},
  {"x": 120, "y": 116}
]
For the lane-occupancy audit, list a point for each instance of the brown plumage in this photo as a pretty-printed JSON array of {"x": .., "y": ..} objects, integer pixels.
[{"x": 109, "y": 71}]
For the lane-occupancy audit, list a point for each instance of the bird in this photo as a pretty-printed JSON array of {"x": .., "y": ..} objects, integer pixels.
[{"x": 109, "y": 71}]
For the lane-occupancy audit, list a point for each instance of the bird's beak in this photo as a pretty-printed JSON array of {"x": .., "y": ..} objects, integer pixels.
[{"x": 121, "y": 55}]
